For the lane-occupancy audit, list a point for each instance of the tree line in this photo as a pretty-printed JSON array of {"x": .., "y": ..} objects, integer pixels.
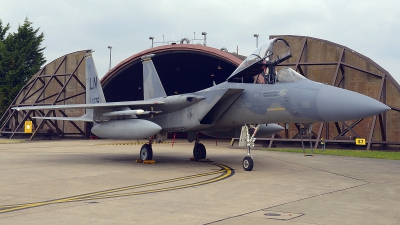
[{"x": 21, "y": 56}]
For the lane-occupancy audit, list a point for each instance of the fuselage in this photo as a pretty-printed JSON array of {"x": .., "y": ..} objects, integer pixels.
[
  {"x": 256, "y": 104},
  {"x": 272, "y": 103},
  {"x": 301, "y": 101}
]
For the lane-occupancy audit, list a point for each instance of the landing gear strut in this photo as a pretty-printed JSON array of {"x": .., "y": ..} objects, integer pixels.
[
  {"x": 199, "y": 150},
  {"x": 146, "y": 151},
  {"x": 308, "y": 128},
  {"x": 248, "y": 162}
]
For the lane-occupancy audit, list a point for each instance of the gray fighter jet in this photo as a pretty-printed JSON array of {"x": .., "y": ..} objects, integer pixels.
[{"x": 253, "y": 98}]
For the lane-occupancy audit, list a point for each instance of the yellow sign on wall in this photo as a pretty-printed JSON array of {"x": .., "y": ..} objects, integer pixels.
[
  {"x": 28, "y": 127},
  {"x": 360, "y": 141}
]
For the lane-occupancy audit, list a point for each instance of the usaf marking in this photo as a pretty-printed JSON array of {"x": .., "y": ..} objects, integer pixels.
[{"x": 274, "y": 93}]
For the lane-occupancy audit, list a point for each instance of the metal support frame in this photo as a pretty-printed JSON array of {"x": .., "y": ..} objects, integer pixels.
[
  {"x": 308, "y": 129},
  {"x": 374, "y": 119},
  {"x": 339, "y": 81},
  {"x": 40, "y": 84}
]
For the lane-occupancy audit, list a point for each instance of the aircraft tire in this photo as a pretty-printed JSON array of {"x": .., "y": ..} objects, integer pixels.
[
  {"x": 248, "y": 163},
  {"x": 146, "y": 152},
  {"x": 199, "y": 152}
]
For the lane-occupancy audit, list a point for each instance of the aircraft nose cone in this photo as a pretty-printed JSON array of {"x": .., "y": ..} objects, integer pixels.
[{"x": 337, "y": 104}]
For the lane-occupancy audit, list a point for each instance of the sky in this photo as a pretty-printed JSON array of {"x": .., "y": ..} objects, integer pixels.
[{"x": 369, "y": 27}]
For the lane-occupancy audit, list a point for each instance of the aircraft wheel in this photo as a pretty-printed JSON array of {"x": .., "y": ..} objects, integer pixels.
[
  {"x": 199, "y": 152},
  {"x": 146, "y": 152},
  {"x": 248, "y": 163}
]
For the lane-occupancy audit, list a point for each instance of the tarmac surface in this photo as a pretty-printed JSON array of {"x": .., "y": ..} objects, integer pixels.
[{"x": 96, "y": 182}]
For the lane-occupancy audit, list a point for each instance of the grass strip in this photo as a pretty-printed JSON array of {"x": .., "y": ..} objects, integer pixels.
[
  {"x": 342, "y": 152},
  {"x": 10, "y": 141}
]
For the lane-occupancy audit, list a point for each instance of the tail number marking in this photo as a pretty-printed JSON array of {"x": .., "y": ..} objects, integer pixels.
[
  {"x": 93, "y": 84},
  {"x": 95, "y": 100}
]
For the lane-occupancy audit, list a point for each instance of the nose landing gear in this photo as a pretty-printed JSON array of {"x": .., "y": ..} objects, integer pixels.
[{"x": 248, "y": 162}]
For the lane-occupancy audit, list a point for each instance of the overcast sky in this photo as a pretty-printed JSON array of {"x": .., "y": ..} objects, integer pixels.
[{"x": 369, "y": 27}]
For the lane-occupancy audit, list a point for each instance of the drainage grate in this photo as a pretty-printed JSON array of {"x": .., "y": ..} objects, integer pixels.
[{"x": 272, "y": 214}]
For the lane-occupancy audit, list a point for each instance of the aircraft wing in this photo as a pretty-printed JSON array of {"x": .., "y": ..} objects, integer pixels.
[{"x": 108, "y": 105}]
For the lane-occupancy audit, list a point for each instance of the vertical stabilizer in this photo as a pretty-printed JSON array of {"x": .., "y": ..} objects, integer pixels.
[
  {"x": 152, "y": 87},
  {"x": 94, "y": 92}
]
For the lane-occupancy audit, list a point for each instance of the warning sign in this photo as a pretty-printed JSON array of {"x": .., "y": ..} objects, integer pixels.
[
  {"x": 28, "y": 127},
  {"x": 360, "y": 141}
]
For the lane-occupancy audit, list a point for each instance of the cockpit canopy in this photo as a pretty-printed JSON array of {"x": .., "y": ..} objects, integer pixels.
[{"x": 268, "y": 55}]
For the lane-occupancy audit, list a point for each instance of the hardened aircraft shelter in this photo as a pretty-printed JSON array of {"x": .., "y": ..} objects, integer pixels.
[{"x": 187, "y": 68}]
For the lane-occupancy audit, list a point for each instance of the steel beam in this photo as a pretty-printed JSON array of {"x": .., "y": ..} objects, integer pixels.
[
  {"x": 371, "y": 133},
  {"x": 333, "y": 84}
]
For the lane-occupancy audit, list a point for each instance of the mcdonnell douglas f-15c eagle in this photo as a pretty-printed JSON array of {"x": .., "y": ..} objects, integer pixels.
[{"x": 254, "y": 95}]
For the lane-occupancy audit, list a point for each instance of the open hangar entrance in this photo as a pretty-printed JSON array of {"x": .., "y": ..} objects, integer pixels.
[
  {"x": 187, "y": 68},
  {"x": 182, "y": 69}
]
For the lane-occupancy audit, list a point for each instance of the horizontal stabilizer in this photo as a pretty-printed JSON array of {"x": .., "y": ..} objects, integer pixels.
[
  {"x": 82, "y": 118},
  {"x": 108, "y": 105},
  {"x": 85, "y": 118}
]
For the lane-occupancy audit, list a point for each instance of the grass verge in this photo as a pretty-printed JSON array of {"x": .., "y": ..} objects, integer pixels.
[
  {"x": 341, "y": 152},
  {"x": 10, "y": 141}
]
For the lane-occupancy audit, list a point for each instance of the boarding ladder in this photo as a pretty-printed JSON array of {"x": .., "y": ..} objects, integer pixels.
[{"x": 307, "y": 128}]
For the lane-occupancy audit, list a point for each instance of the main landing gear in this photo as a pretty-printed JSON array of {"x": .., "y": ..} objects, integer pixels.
[
  {"x": 146, "y": 151},
  {"x": 248, "y": 162},
  {"x": 199, "y": 150}
]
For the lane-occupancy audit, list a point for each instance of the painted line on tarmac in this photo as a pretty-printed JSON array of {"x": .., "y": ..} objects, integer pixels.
[{"x": 223, "y": 173}]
